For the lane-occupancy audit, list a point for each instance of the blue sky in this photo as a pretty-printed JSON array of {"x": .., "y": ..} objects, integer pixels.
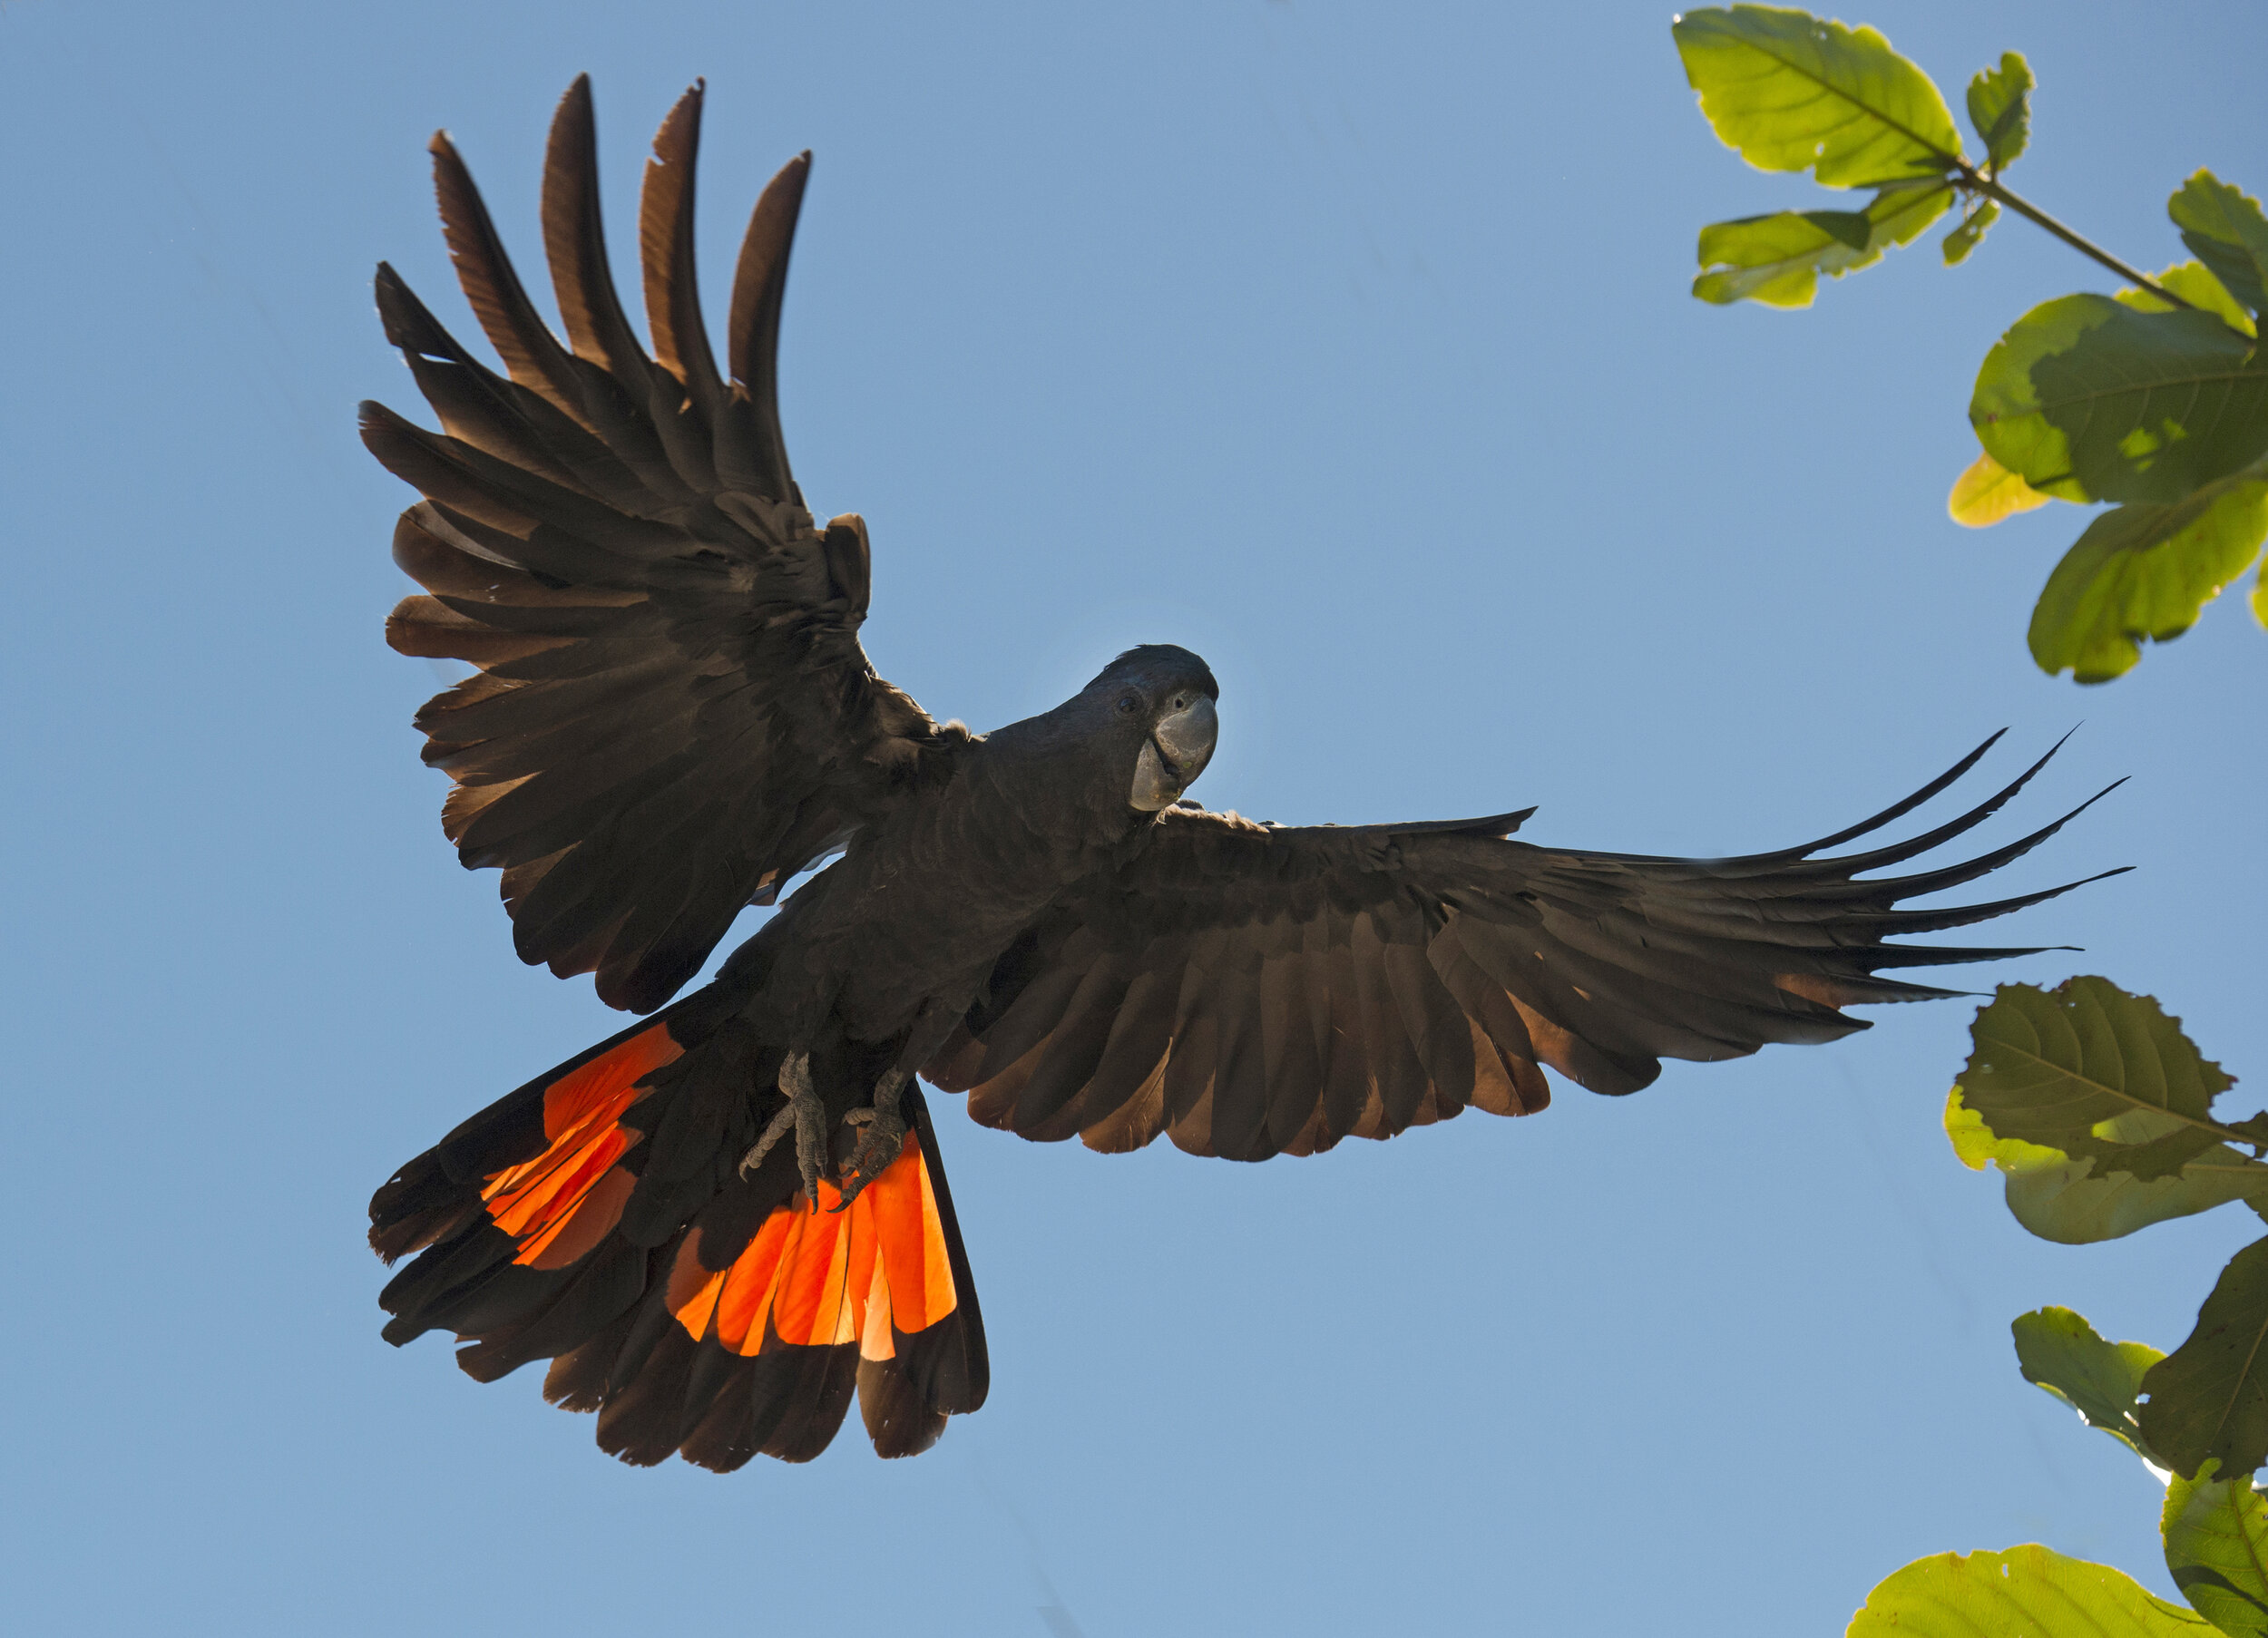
[{"x": 1347, "y": 345}]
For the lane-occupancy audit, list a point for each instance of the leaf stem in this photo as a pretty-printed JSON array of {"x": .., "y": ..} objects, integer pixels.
[{"x": 1971, "y": 177}]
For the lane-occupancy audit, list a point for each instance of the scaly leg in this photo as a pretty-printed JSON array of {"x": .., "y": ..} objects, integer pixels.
[
  {"x": 806, "y": 1116},
  {"x": 884, "y": 1134}
]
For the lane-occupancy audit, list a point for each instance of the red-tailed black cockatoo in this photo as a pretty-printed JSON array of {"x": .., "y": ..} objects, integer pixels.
[{"x": 720, "y": 1223}]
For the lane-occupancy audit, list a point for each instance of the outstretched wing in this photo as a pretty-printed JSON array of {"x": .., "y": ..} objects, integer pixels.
[
  {"x": 672, "y": 714},
  {"x": 1250, "y": 990}
]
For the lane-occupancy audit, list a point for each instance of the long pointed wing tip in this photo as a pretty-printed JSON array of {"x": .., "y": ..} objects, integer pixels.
[
  {"x": 574, "y": 107},
  {"x": 2089, "y": 802},
  {"x": 689, "y": 102},
  {"x": 2025, "y": 778},
  {"x": 2047, "y": 756},
  {"x": 1898, "y": 809},
  {"x": 2100, "y": 875},
  {"x": 1989, "y": 806}
]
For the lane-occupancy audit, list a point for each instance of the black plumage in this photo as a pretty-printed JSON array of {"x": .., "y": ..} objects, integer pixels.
[{"x": 672, "y": 716}]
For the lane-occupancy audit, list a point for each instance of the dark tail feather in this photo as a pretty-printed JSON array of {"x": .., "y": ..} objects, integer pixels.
[{"x": 596, "y": 1217}]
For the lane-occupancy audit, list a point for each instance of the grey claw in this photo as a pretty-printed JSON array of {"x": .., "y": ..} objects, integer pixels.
[
  {"x": 773, "y": 1133},
  {"x": 878, "y": 1146},
  {"x": 806, "y": 1116}
]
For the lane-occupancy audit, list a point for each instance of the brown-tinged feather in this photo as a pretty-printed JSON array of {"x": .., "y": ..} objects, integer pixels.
[
  {"x": 1440, "y": 964},
  {"x": 574, "y": 241},
  {"x": 530, "y": 353},
  {"x": 665, "y": 239},
  {"x": 756, "y": 458}
]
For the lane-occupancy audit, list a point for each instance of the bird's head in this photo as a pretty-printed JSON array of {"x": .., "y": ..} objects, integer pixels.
[{"x": 1155, "y": 704}]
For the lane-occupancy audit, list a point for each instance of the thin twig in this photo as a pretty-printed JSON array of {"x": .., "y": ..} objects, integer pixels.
[{"x": 1972, "y": 178}]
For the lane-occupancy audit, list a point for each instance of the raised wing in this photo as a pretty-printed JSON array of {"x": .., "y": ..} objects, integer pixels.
[
  {"x": 672, "y": 714},
  {"x": 1250, "y": 990}
]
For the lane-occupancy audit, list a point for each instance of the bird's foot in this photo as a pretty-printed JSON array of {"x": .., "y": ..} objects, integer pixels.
[
  {"x": 807, "y": 1116},
  {"x": 882, "y": 1134}
]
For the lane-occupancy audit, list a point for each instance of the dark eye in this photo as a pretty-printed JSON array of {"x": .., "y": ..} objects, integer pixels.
[{"x": 1128, "y": 704}]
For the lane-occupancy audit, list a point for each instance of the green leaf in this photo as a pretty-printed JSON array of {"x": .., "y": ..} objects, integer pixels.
[
  {"x": 2060, "y": 1351},
  {"x": 1987, "y": 491},
  {"x": 2095, "y": 1072},
  {"x": 2208, "y": 1399},
  {"x": 1971, "y": 233},
  {"x": 2224, "y": 228},
  {"x": 2087, "y": 399},
  {"x": 2194, "y": 282},
  {"x": 2027, "y": 1592},
  {"x": 2144, "y": 572},
  {"x": 2260, "y": 597},
  {"x": 2060, "y": 1199},
  {"x": 1793, "y": 92},
  {"x": 1777, "y": 260},
  {"x": 1977, "y": 1145},
  {"x": 2066, "y": 1203},
  {"x": 2001, "y": 108},
  {"x": 2216, "y": 1548}
]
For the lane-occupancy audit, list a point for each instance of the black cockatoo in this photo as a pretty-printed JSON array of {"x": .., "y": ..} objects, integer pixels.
[{"x": 722, "y": 1222}]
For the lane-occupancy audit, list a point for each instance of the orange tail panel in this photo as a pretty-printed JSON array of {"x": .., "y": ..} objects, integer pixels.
[
  {"x": 561, "y": 1203},
  {"x": 830, "y": 1277}
]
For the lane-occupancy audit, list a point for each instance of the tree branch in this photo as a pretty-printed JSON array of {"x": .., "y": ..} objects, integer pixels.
[{"x": 1972, "y": 178}]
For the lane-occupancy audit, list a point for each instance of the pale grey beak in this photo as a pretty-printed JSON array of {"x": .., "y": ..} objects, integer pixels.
[{"x": 1176, "y": 753}]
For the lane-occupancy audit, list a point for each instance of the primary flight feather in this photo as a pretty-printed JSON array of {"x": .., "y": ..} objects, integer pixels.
[{"x": 723, "y": 1223}]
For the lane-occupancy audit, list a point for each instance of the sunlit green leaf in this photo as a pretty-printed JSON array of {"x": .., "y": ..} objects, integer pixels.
[
  {"x": 2194, "y": 282},
  {"x": 2209, "y": 1397},
  {"x": 2027, "y": 1592},
  {"x": 1977, "y": 1145},
  {"x": 2089, "y": 400},
  {"x": 1987, "y": 491},
  {"x": 2224, "y": 228},
  {"x": 2000, "y": 107},
  {"x": 1777, "y": 260},
  {"x": 2061, "y": 1199},
  {"x": 2060, "y": 1351},
  {"x": 2066, "y": 1203},
  {"x": 1970, "y": 232},
  {"x": 2260, "y": 597},
  {"x": 2144, "y": 572},
  {"x": 2217, "y": 1548},
  {"x": 2095, "y": 1072},
  {"x": 1793, "y": 92}
]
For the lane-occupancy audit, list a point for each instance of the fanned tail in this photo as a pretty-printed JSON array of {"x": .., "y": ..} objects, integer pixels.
[{"x": 595, "y": 1217}]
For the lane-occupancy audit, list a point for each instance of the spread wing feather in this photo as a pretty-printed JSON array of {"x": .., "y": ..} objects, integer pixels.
[
  {"x": 1249, "y": 989},
  {"x": 672, "y": 714}
]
